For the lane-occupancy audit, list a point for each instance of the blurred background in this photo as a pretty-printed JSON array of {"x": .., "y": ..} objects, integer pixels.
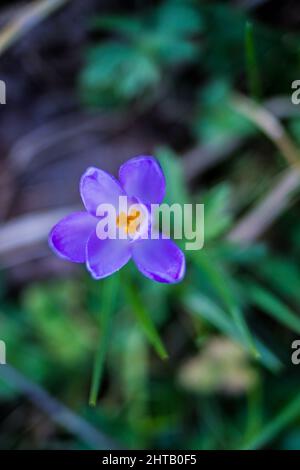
[{"x": 206, "y": 87}]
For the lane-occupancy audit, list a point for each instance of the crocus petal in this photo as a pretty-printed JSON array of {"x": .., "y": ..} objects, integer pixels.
[
  {"x": 104, "y": 257},
  {"x": 160, "y": 260},
  {"x": 98, "y": 187},
  {"x": 69, "y": 237},
  {"x": 143, "y": 178}
]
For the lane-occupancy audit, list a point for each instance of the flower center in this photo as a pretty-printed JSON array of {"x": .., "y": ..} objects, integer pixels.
[{"x": 129, "y": 222}]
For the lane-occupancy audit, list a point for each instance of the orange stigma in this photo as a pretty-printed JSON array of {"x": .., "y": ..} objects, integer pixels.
[{"x": 129, "y": 223}]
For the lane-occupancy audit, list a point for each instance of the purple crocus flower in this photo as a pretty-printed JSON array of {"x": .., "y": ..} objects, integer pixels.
[{"x": 76, "y": 239}]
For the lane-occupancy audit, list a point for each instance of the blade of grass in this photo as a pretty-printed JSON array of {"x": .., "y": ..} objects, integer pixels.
[
  {"x": 259, "y": 219},
  {"x": 242, "y": 326},
  {"x": 276, "y": 426},
  {"x": 253, "y": 75},
  {"x": 211, "y": 312},
  {"x": 214, "y": 315},
  {"x": 218, "y": 283},
  {"x": 282, "y": 275},
  {"x": 110, "y": 288},
  {"x": 144, "y": 319},
  {"x": 270, "y": 125},
  {"x": 254, "y": 412},
  {"x": 266, "y": 301}
]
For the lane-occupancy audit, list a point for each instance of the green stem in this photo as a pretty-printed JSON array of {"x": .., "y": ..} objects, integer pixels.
[
  {"x": 110, "y": 287},
  {"x": 144, "y": 319}
]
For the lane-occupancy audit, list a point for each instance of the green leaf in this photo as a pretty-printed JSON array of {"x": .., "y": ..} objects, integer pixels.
[
  {"x": 282, "y": 274},
  {"x": 216, "y": 123},
  {"x": 270, "y": 304},
  {"x": 276, "y": 426},
  {"x": 218, "y": 281},
  {"x": 129, "y": 26},
  {"x": 178, "y": 18},
  {"x": 115, "y": 73},
  {"x": 240, "y": 255},
  {"x": 217, "y": 211}
]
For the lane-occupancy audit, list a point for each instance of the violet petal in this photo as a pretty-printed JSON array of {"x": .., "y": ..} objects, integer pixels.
[
  {"x": 104, "y": 257},
  {"x": 69, "y": 236},
  {"x": 98, "y": 187},
  {"x": 160, "y": 260},
  {"x": 142, "y": 177}
]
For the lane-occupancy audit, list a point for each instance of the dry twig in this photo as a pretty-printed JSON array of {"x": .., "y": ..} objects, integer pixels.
[
  {"x": 57, "y": 412},
  {"x": 25, "y": 19},
  {"x": 259, "y": 219}
]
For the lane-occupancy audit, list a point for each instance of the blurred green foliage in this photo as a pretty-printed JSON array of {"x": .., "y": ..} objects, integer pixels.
[
  {"x": 227, "y": 329},
  {"x": 206, "y": 324},
  {"x": 142, "y": 59},
  {"x": 219, "y": 123}
]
